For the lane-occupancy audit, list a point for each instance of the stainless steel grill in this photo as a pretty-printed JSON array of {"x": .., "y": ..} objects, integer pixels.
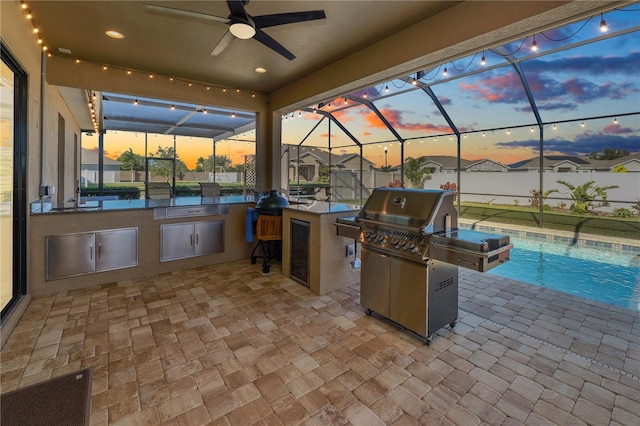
[{"x": 411, "y": 250}]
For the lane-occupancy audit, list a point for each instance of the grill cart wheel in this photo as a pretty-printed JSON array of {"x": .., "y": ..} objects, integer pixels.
[
  {"x": 265, "y": 268},
  {"x": 453, "y": 323},
  {"x": 367, "y": 311}
]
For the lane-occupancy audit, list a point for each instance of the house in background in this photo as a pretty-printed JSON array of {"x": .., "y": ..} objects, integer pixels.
[
  {"x": 89, "y": 168},
  {"x": 575, "y": 164},
  {"x": 306, "y": 163}
]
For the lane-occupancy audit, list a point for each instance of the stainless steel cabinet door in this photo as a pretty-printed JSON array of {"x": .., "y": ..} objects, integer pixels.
[
  {"x": 71, "y": 254},
  {"x": 408, "y": 295},
  {"x": 209, "y": 237},
  {"x": 374, "y": 282},
  {"x": 117, "y": 248},
  {"x": 177, "y": 241}
]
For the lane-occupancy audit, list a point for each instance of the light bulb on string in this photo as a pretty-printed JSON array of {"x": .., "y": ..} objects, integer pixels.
[
  {"x": 483, "y": 60},
  {"x": 603, "y": 24},
  {"x": 445, "y": 72},
  {"x": 534, "y": 45}
]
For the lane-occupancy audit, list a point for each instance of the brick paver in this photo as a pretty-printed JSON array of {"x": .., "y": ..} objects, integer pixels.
[{"x": 227, "y": 344}]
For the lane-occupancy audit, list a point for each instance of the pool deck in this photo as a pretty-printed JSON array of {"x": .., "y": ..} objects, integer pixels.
[{"x": 229, "y": 345}]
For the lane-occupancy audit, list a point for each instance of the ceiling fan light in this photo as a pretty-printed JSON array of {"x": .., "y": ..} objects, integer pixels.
[{"x": 242, "y": 30}]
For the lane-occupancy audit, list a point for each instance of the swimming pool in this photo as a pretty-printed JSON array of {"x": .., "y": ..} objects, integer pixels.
[{"x": 594, "y": 273}]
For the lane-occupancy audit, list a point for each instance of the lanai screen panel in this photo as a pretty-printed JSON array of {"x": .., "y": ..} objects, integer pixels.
[
  {"x": 362, "y": 123},
  {"x": 592, "y": 80},
  {"x": 488, "y": 100},
  {"x": 413, "y": 114}
]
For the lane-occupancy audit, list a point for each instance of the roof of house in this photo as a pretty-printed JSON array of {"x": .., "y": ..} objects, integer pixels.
[
  {"x": 322, "y": 156},
  {"x": 90, "y": 156},
  {"x": 550, "y": 161}
]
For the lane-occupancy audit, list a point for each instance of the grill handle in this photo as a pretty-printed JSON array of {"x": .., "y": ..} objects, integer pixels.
[{"x": 387, "y": 224}]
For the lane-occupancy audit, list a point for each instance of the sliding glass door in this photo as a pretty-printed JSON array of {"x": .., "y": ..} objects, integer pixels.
[{"x": 13, "y": 106}]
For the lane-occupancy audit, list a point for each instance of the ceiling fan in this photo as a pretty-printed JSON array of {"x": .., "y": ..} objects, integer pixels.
[{"x": 242, "y": 25}]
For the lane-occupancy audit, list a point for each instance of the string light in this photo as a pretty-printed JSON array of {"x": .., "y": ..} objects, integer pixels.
[
  {"x": 615, "y": 120},
  {"x": 414, "y": 81},
  {"x": 135, "y": 102},
  {"x": 445, "y": 72},
  {"x": 483, "y": 61},
  {"x": 386, "y": 88},
  {"x": 582, "y": 124},
  {"x": 534, "y": 45},
  {"x": 603, "y": 24}
]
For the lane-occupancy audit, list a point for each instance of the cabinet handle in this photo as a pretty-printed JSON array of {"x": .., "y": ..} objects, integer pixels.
[
  {"x": 99, "y": 251},
  {"x": 197, "y": 240},
  {"x": 91, "y": 252},
  {"x": 191, "y": 239}
]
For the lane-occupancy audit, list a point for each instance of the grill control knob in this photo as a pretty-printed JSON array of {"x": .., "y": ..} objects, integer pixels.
[
  {"x": 380, "y": 238},
  {"x": 411, "y": 246},
  {"x": 395, "y": 241}
]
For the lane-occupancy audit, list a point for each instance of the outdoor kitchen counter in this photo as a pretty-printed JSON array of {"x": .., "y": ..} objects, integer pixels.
[
  {"x": 329, "y": 267},
  {"x": 222, "y": 221},
  {"x": 90, "y": 205}
]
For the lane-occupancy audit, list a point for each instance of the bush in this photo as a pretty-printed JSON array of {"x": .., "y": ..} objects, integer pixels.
[
  {"x": 122, "y": 192},
  {"x": 622, "y": 212}
]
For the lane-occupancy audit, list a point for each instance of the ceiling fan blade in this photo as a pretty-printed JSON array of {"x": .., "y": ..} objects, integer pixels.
[
  {"x": 265, "y": 39},
  {"x": 265, "y": 21},
  {"x": 225, "y": 41},
  {"x": 184, "y": 14},
  {"x": 236, "y": 7}
]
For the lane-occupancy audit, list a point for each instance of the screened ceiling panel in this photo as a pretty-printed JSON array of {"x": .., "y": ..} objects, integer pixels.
[
  {"x": 413, "y": 114},
  {"x": 137, "y": 114},
  {"x": 362, "y": 123},
  {"x": 493, "y": 99},
  {"x": 597, "y": 79}
]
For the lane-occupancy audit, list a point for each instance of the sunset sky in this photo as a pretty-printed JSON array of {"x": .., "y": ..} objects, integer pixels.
[{"x": 580, "y": 83}]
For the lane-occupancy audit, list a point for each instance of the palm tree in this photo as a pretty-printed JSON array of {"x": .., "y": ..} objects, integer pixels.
[
  {"x": 585, "y": 196},
  {"x": 415, "y": 172}
]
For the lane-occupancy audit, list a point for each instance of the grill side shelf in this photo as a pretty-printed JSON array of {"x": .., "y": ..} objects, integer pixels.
[{"x": 481, "y": 261}]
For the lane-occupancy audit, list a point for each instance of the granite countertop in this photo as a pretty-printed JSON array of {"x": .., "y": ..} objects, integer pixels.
[
  {"x": 38, "y": 207},
  {"x": 323, "y": 207}
]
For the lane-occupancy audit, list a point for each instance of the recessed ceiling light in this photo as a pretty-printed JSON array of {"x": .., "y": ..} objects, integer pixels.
[
  {"x": 114, "y": 34},
  {"x": 260, "y": 70}
]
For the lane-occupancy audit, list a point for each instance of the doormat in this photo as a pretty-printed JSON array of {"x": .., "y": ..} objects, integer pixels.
[{"x": 65, "y": 400}]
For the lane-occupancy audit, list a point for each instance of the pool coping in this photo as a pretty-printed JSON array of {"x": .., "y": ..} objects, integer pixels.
[{"x": 615, "y": 244}]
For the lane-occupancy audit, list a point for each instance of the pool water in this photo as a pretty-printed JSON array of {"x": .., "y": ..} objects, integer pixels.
[{"x": 597, "y": 274}]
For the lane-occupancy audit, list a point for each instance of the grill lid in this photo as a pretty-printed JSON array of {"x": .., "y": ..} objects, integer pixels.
[
  {"x": 271, "y": 204},
  {"x": 413, "y": 209}
]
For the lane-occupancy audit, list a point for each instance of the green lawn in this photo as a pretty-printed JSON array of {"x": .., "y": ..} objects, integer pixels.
[{"x": 528, "y": 216}]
